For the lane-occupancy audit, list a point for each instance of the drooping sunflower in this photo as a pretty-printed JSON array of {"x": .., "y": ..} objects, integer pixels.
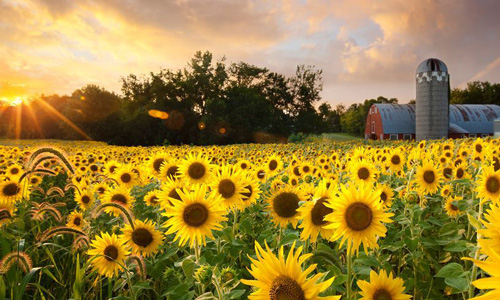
[
  {"x": 382, "y": 287},
  {"x": 120, "y": 195},
  {"x": 313, "y": 215},
  {"x": 488, "y": 185},
  {"x": 169, "y": 190},
  {"x": 284, "y": 206},
  {"x": 283, "y": 278},
  {"x": 194, "y": 217},
  {"x": 75, "y": 220},
  {"x": 84, "y": 198},
  {"x": 451, "y": 206},
  {"x": 151, "y": 198},
  {"x": 195, "y": 169},
  {"x": 143, "y": 239},
  {"x": 169, "y": 170},
  {"x": 125, "y": 176},
  {"x": 11, "y": 191},
  {"x": 108, "y": 254},
  {"x": 357, "y": 217},
  {"x": 362, "y": 172},
  {"x": 428, "y": 178},
  {"x": 228, "y": 186},
  {"x": 155, "y": 163}
]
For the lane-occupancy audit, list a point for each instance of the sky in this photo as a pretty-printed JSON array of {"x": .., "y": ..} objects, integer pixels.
[{"x": 365, "y": 48}]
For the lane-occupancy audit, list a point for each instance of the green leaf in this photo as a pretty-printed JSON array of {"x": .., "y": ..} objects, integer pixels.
[
  {"x": 452, "y": 270},
  {"x": 188, "y": 267},
  {"x": 24, "y": 283},
  {"x": 473, "y": 221},
  {"x": 461, "y": 284},
  {"x": 2, "y": 288},
  {"x": 457, "y": 247},
  {"x": 236, "y": 294}
]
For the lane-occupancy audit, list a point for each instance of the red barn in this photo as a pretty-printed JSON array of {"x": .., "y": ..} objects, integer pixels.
[{"x": 397, "y": 121}]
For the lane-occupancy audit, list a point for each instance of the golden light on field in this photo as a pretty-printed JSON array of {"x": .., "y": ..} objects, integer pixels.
[{"x": 13, "y": 101}]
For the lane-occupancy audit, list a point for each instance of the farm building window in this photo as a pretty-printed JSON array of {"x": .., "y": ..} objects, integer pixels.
[
  {"x": 407, "y": 137},
  {"x": 393, "y": 137},
  {"x": 464, "y": 135},
  {"x": 373, "y": 127},
  {"x": 375, "y": 109},
  {"x": 472, "y": 135},
  {"x": 381, "y": 136},
  {"x": 485, "y": 135}
]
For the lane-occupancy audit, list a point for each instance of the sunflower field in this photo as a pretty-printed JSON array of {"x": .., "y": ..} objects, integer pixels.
[{"x": 320, "y": 220}]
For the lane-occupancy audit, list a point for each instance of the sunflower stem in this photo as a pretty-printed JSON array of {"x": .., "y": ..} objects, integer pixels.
[
  {"x": 235, "y": 221},
  {"x": 476, "y": 255},
  {"x": 196, "y": 251},
  {"x": 349, "y": 276}
]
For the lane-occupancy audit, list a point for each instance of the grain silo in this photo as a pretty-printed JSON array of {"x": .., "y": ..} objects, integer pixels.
[{"x": 432, "y": 102}]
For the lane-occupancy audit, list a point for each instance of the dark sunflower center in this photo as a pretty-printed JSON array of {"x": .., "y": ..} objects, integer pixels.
[
  {"x": 14, "y": 171},
  {"x": 395, "y": 160},
  {"x": 142, "y": 237},
  {"x": 243, "y": 166},
  {"x": 33, "y": 180},
  {"x": 429, "y": 176},
  {"x": 358, "y": 216},
  {"x": 153, "y": 200},
  {"x": 157, "y": 164},
  {"x": 296, "y": 171},
  {"x": 286, "y": 204},
  {"x": 119, "y": 198},
  {"x": 85, "y": 199},
  {"x": 306, "y": 169},
  {"x": 460, "y": 173},
  {"x": 247, "y": 195},
  {"x": 261, "y": 174},
  {"x": 172, "y": 171},
  {"x": 77, "y": 221},
  {"x": 11, "y": 189},
  {"x": 363, "y": 173},
  {"x": 383, "y": 196},
  {"x": 101, "y": 190},
  {"x": 273, "y": 165},
  {"x": 496, "y": 163},
  {"x": 112, "y": 169},
  {"x": 492, "y": 185},
  {"x": 111, "y": 253},
  {"x": 319, "y": 212},
  {"x": 285, "y": 288},
  {"x": 195, "y": 215},
  {"x": 454, "y": 207},
  {"x": 227, "y": 188},
  {"x": 479, "y": 148},
  {"x": 382, "y": 294},
  {"x": 447, "y": 172},
  {"x": 126, "y": 178},
  {"x": 196, "y": 170},
  {"x": 173, "y": 194},
  {"x": 94, "y": 168}
]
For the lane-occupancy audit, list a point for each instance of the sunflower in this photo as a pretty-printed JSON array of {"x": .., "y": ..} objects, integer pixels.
[
  {"x": 461, "y": 171},
  {"x": 362, "y": 172},
  {"x": 428, "y": 178},
  {"x": 125, "y": 176},
  {"x": 34, "y": 180},
  {"x": 227, "y": 186},
  {"x": 491, "y": 266},
  {"x": 260, "y": 173},
  {"x": 491, "y": 232},
  {"x": 252, "y": 192},
  {"x": 100, "y": 188},
  {"x": 313, "y": 215},
  {"x": 446, "y": 190},
  {"x": 280, "y": 278},
  {"x": 382, "y": 287},
  {"x": 169, "y": 190},
  {"x": 451, "y": 206},
  {"x": 84, "y": 198},
  {"x": 244, "y": 165},
  {"x": 284, "y": 205},
  {"x": 195, "y": 169},
  {"x": 396, "y": 160},
  {"x": 488, "y": 185},
  {"x": 274, "y": 164},
  {"x": 357, "y": 217},
  {"x": 151, "y": 198},
  {"x": 11, "y": 191},
  {"x": 14, "y": 171},
  {"x": 194, "y": 217},
  {"x": 6, "y": 212},
  {"x": 75, "y": 220},
  {"x": 108, "y": 254},
  {"x": 120, "y": 195},
  {"x": 155, "y": 163},
  {"x": 169, "y": 170},
  {"x": 143, "y": 239},
  {"x": 385, "y": 193}
]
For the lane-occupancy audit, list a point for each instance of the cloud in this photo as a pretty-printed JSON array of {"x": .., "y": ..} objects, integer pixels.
[{"x": 365, "y": 48}]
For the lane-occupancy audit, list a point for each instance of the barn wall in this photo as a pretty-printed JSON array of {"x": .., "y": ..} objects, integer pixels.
[{"x": 373, "y": 117}]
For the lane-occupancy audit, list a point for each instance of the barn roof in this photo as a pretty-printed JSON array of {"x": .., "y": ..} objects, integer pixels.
[{"x": 464, "y": 118}]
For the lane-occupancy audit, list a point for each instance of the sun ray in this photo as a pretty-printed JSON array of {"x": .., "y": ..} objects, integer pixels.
[
  {"x": 34, "y": 119},
  {"x": 19, "y": 110}
]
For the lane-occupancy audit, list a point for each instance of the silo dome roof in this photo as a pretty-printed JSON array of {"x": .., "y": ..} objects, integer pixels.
[{"x": 432, "y": 64}]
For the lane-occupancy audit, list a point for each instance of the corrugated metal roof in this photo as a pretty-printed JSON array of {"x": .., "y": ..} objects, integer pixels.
[
  {"x": 473, "y": 118},
  {"x": 397, "y": 118}
]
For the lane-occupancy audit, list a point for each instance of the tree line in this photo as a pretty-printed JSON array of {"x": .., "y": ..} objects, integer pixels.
[{"x": 207, "y": 102}]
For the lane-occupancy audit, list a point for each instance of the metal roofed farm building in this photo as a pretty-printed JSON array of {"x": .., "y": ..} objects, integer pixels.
[{"x": 398, "y": 121}]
